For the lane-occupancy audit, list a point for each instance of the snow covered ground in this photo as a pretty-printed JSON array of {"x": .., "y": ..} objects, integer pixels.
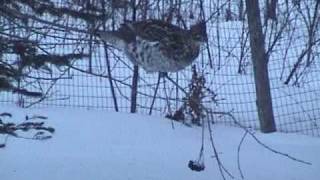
[{"x": 99, "y": 145}]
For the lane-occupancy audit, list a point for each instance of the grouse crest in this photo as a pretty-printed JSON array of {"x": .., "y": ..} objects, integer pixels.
[{"x": 157, "y": 46}]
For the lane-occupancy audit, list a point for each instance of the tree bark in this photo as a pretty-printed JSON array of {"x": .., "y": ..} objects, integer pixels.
[
  {"x": 260, "y": 68},
  {"x": 271, "y": 9},
  {"x": 135, "y": 78}
]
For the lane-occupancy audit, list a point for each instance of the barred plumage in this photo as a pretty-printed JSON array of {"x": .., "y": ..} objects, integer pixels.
[{"x": 158, "y": 46}]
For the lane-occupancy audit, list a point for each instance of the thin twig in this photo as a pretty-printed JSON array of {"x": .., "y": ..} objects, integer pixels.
[
  {"x": 222, "y": 169},
  {"x": 238, "y": 153},
  {"x": 263, "y": 144}
]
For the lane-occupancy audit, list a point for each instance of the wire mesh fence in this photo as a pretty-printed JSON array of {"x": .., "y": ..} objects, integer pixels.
[{"x": 104, "y": 79}]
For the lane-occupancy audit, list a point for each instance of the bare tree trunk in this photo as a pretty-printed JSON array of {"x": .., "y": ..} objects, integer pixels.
[
  {"x": 260, "y": 68},
  {"x": 271, "y": 10},
  {"x": 135, "y": 78},
  {"x": 241, "y": 11},
  {"x": 228, "y": 15},
  {"x": 134, "y": 90},
  {"x": 114, "y": 96}
]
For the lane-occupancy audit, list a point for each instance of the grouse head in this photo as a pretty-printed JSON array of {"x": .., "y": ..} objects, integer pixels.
[{"x": 199, "y": 32}]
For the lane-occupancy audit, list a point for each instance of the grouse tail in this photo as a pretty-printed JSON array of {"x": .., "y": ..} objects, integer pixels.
[{"x": 113, "y": 38}]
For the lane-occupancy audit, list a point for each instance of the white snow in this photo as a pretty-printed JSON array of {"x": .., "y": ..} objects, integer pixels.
[{"x": 99, "y": 145}]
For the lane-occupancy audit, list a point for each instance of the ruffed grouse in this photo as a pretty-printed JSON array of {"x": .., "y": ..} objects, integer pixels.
[{"x": 156, "y": 45}]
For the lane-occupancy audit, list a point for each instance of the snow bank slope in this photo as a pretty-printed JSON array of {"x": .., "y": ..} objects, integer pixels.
[{"x": 97, "y": 145}]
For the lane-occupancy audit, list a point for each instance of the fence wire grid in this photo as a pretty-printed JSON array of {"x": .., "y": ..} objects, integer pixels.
[{"x": 88, "y": 83}]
